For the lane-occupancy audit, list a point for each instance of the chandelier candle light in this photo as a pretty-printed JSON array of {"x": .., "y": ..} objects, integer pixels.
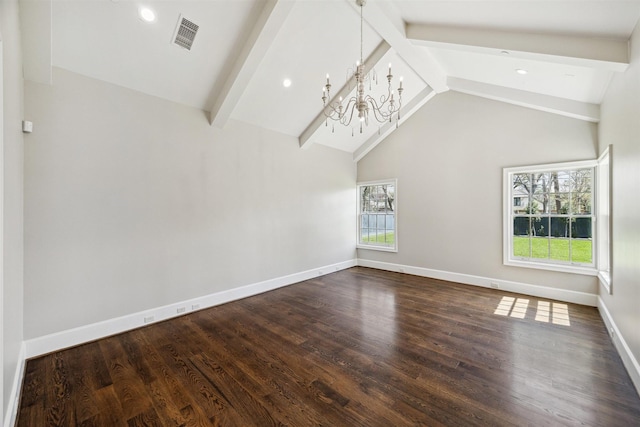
[{"x": 383, "y": 111}]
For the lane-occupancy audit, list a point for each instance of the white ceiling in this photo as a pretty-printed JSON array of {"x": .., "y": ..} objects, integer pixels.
[{"x": 245, "y": 48}]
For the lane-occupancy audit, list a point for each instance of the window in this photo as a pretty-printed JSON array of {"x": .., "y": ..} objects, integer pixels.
[
  {"x": 377, "y": 215},
  {"x": 552, "y": 224},
  {"x": 604, "y": 219}
]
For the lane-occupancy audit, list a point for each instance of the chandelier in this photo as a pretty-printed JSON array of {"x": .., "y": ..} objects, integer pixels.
[{"x": 383, "y": 109}]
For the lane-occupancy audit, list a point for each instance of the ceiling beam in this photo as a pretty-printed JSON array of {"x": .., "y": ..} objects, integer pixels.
[
  {"x": 385, "y": 19},
  {"x": 609, "y": 54},
  {"x": 550, "y": 104},
  {"x": 414, "y": 105},
  {"x": 305, "y": 138},
  {"x": 221, "y": 104}
]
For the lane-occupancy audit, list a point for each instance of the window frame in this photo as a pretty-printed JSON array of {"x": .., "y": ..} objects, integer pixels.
[
  {"x": 604, "y": 175},
  {"x": 369, "y": 246},
  {"x": 508, "y": 216}
]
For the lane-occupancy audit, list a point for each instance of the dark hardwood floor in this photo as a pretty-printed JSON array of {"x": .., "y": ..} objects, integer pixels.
[{"x": 360, "y": 347}]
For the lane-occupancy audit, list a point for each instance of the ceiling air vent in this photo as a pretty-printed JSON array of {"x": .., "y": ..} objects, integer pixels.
[{"x": 185, "y": 33}]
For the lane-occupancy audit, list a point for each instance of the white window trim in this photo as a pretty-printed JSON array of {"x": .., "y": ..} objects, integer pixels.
[
  {"x": 604, "y": 206},
  {"x": 359, "y": 245},
  {"x": 507, "y": 249}
]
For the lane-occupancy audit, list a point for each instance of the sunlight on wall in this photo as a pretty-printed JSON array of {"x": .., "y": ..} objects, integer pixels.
[{"x": 557, "y": 312}]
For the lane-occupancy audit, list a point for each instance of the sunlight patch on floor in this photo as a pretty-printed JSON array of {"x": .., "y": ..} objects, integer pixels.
[
  {"x": 504, "y": 307},
  {"x": 520, "y": 308},
  {"x": 542, "y": 314},
  {"x": 557, "y": 313},
  {"x": 561, "y": 314}
]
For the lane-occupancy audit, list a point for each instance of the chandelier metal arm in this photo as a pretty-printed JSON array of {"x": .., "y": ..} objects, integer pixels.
[
  {"x": 379, "y": 113},
  {"x": 340, "y": 113}
]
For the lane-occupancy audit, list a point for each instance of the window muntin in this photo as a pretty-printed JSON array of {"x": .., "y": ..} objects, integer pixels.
[
  {"x": 377, "y": 215},
  {"x": 551, "y": 221}
]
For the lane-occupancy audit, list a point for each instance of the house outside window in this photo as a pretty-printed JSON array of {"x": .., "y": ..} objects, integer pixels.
[{"x": 377, "y": 209}]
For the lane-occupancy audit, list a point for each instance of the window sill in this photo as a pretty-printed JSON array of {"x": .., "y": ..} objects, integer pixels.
[
  {"x": 377, "y": 248},
  {"x": 605, "y": 280},
  {"x": 574, "y": 269}
]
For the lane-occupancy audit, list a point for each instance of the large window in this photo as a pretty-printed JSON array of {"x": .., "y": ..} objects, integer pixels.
[
  {"x": 550, "y": 217},
  {"x": 377, "y": 215}
]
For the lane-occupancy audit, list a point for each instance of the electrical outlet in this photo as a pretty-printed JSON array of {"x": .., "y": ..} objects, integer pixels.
[
  {"x": 148, "y": 319},
  {"x": 494, "y": 285},
  {"x": 319, "y": 273},
  {"x": 401, "y": 270},
  {"x": 181, "y": 310},
  {"x": 195, "y": 306},
  {"x": 612, "y": 332}
]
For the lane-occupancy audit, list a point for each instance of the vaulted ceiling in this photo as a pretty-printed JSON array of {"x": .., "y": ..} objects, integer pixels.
[{"x": 244, "y": 49}]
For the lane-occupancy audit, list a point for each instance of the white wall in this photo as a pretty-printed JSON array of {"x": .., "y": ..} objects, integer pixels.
[
  {"x": 448, "y": 159},
  {"x": 133, "y": 202},
  {"x": 12, "y": 190},
  {"x": 620, "y": 126}
]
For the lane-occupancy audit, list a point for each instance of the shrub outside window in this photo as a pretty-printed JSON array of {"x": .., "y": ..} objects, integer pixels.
[{"x": 377, "y": 228}]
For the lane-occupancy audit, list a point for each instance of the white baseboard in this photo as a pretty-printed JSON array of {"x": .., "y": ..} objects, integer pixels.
[
  {"x": 628, "y": 359},
  {"x": 486, "y": 282},
  {"x": 16, "y": 388},
  {"x": 72, "y": 337}
]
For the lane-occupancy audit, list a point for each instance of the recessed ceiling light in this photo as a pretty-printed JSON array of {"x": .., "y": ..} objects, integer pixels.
[
  {"x": 147, "y": 14},
  {"x": 286, "y": 82},
  {"x": 521, "y": 71}
]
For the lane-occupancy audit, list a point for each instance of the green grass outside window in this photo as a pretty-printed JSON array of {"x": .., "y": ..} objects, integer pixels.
[
  {"x": 388, "y": 238},
  {"x": 554, "y": 248}
]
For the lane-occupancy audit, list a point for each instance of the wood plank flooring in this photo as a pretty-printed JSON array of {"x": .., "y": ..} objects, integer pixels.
[{"x": 360, "y": 347}]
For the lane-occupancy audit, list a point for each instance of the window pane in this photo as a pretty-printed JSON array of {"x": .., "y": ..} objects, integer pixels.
[
  {"x": 581, "y": 181},
  {"x": 581, "y": 203},
  {"x": 520, "y": 226},
  {"x": 563, "y": 182},
  {"x": 559, "y": 203},
  {"x": 560, "y": 249},
  {"x": 521, "y": 246},
  {"x": 380, "y": 222},
  {"x": 522, "y": 181},
  {"x": 559, "y": 227},
  {"x": 540, "y": 183},
  {"x": 581, "y": 228},
  {"x": 581, "y": 250},
  {"x": 390, "y": 237},
  {"x": 542, "y": 227},
  {"x": 540, "y": 203},
  {"x": 539, "y": 247},
  {"x": 364, "y": 221},
  {"x": 538, "y": 226},
  {"x": 372, "y": 221},
  {"x": 390, "y": 222}
]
